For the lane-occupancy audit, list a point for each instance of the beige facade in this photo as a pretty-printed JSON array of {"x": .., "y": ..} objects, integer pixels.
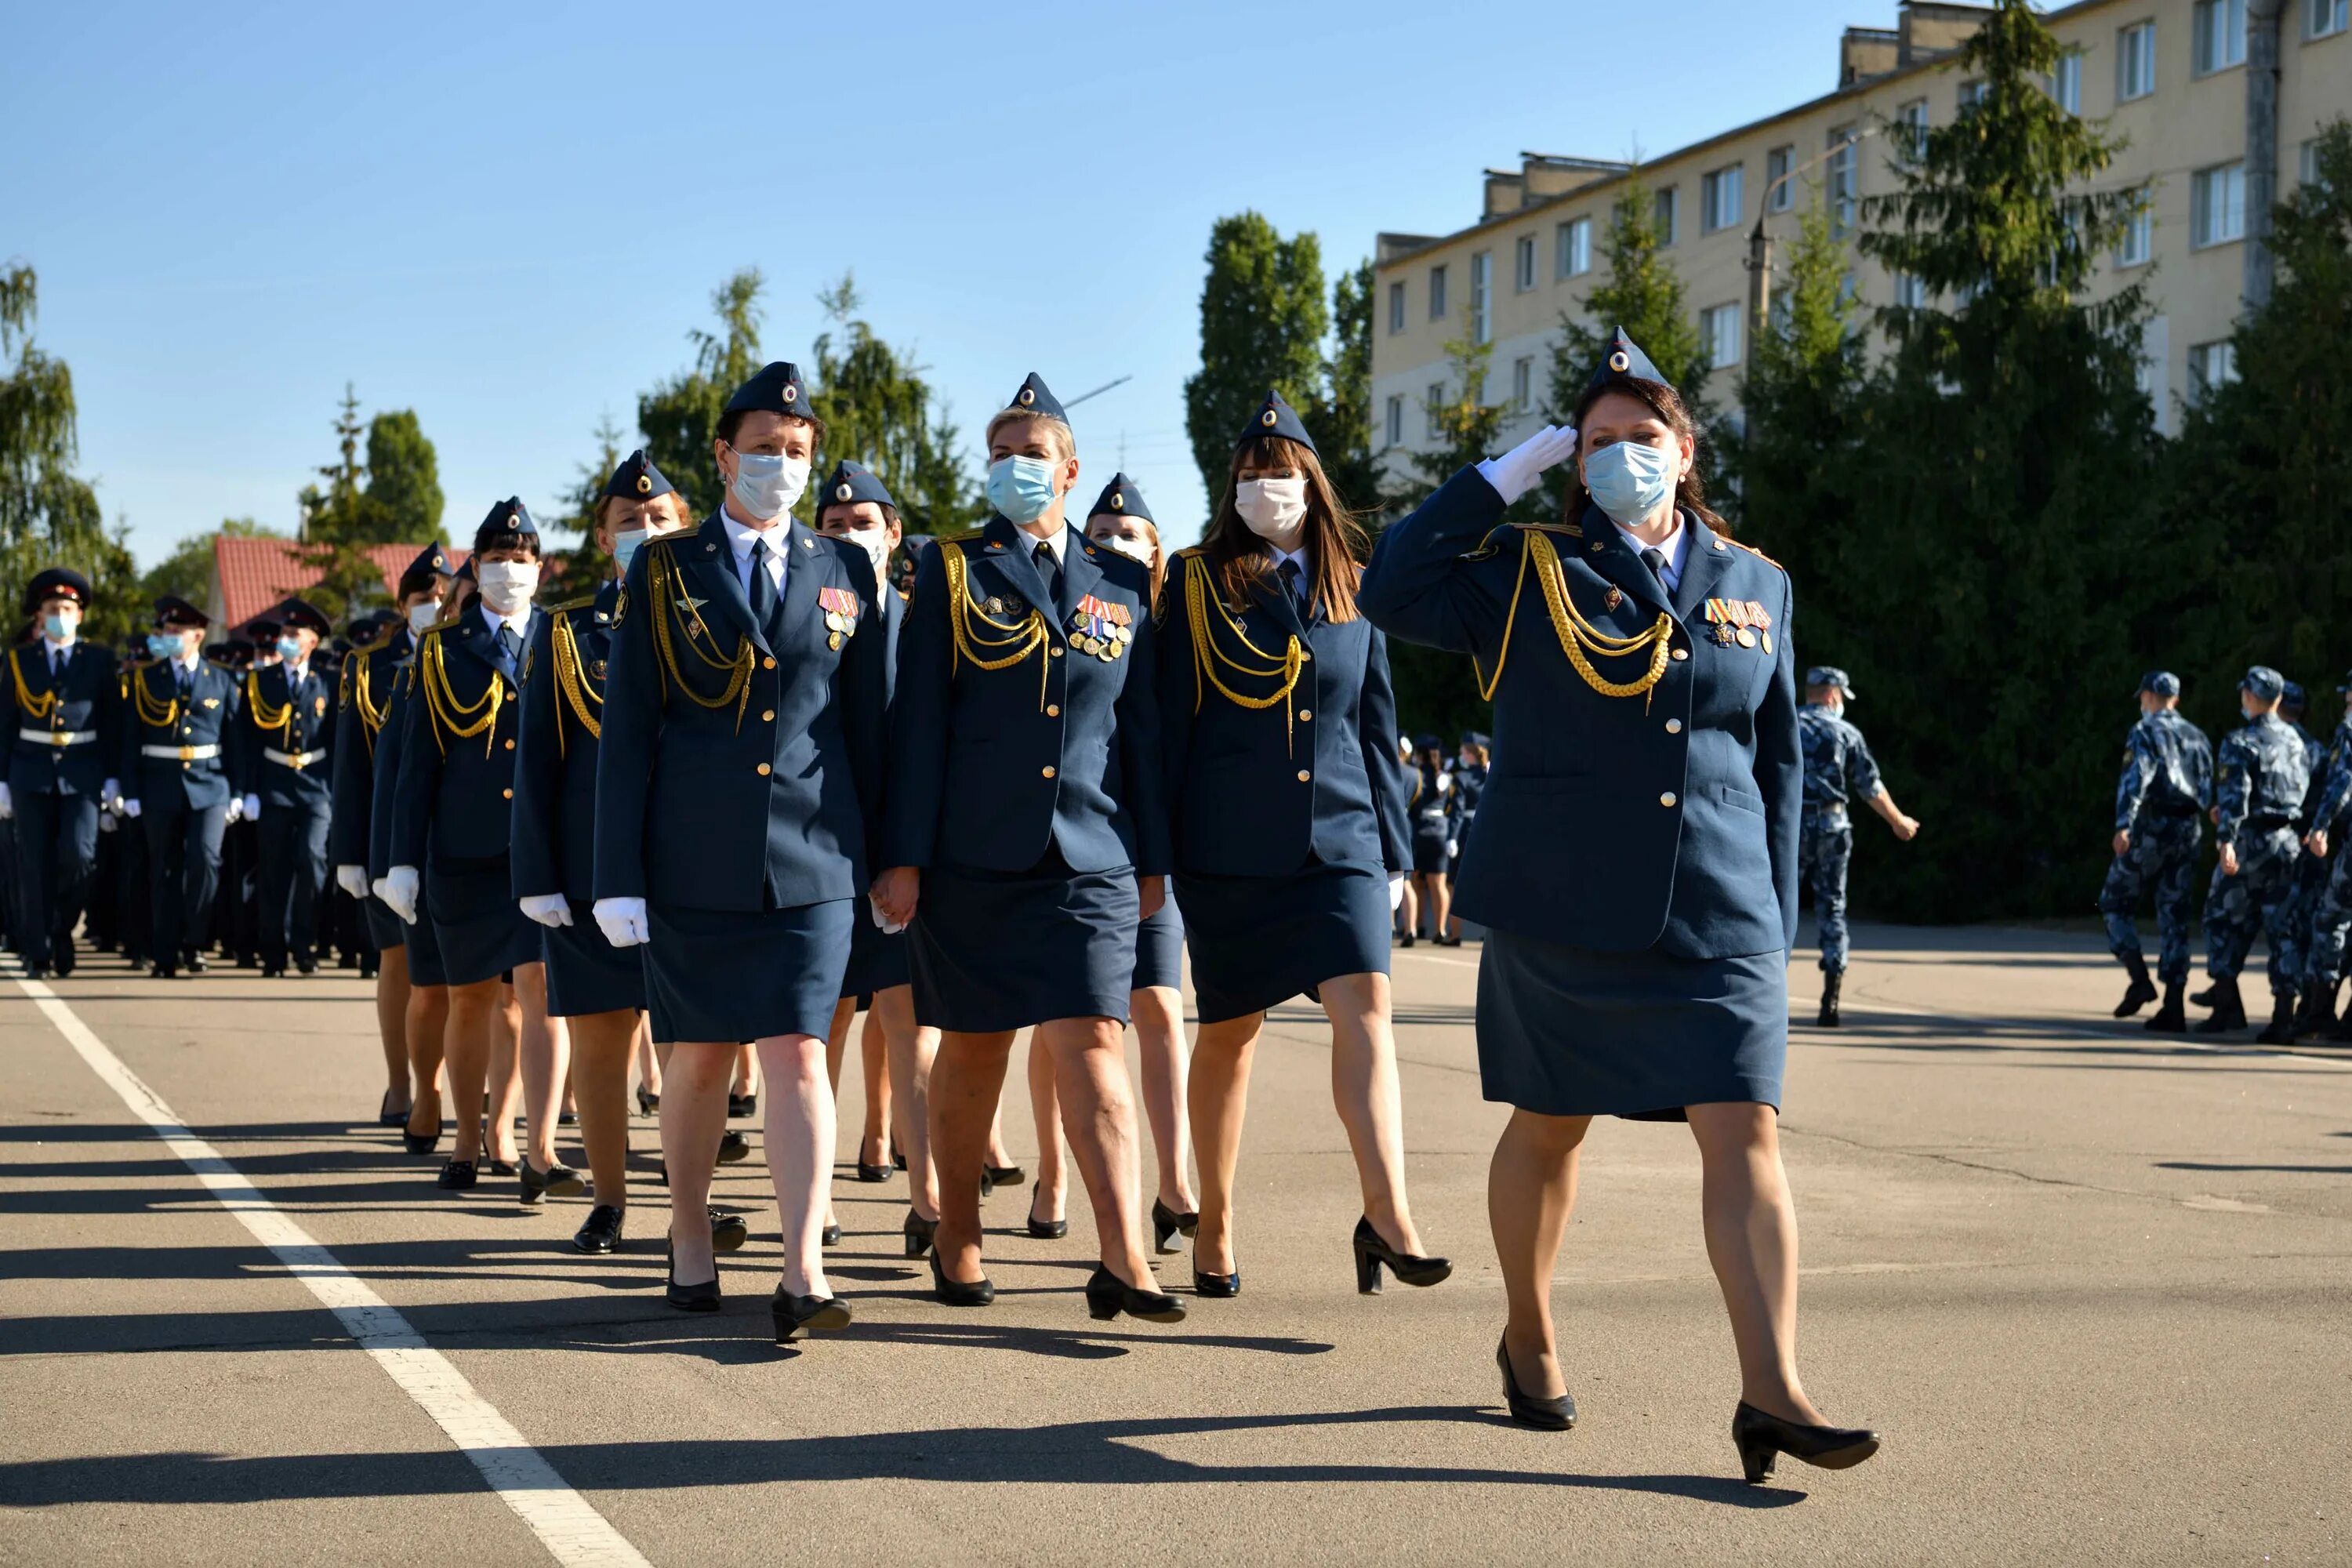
[{"x": 2167, "y": 75}]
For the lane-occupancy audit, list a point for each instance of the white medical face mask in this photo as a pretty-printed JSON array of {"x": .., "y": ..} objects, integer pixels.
[
  {"x": 1274, "y": 509},
  {"x": 875, "y": 543},
  {"x": 766, "y": 485},
  {"x": 1135, "y": 550},
  {"x": 423, "y": 615},
  {"x": 507, "y": 584}
]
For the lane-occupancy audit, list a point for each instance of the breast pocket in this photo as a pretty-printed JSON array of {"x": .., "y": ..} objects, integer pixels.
[{"x": 1731, "y": 794}]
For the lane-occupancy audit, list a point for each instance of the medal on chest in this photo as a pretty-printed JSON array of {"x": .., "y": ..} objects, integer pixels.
[
  {"x": 840, "y": 608},
  {"x": 1102, "y": 627}
]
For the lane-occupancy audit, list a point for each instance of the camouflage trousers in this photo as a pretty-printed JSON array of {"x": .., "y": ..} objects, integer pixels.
[
  {"x": 1822, "y": 856},
  {"x": 2303, "y": 898},
  {"x": 2163, "y": 859},
  {"x": 2331, "y": 919},
  {"x": 2259, "y": 898}
]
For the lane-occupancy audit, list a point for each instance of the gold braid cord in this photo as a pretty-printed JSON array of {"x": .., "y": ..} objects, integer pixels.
[
  {"x": 571, "y": 685},
  {"x": 1200, "y": 596},
  {"x": 264, "y": 716},
  {"x": 1023, "y": 637},
  {"x": 1578, "y": 635},
  {"x": 670, "y": 598},
  {"x": 371, "y": 717},
  {"x": 459, "y": 720},
  {"x": 153, "y": 714},
  {"x": 33, "y": 707}
]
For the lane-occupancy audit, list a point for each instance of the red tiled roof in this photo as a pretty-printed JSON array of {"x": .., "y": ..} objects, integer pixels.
[{"x": 249, "y": 575}]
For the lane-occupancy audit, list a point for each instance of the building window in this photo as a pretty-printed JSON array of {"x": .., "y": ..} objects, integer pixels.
[
  {"x": 1524, "y": 268},
  {"x": 1523, "y": 385},
  {"x": 1396, "y": 307},
  {"x": 1396, "y": 420},
  {"x": 1434, "y": 402},
  {"x": 2135, "y": 61},
  {"x": 1482, "y": 289},
  {"x": 1575, "y": 240},
  {"x": 1437, "y": 293},
  {"x": 2210, "y": 367},
  {"x": 1669, "y": 213},
  {"x": 1909, "y": 292},
  {"x": 1911, "y": 125},
  {"x": 2066, "y": 83},
  {"x": 1842, "y": 187},
  {"x": 1971, "y": 93},
  {"x": 1719, "y": 328},
  {"x": 2220, "y": 27},
  {"x": 1780, "y": 190},
  {"x": 1722, "y": 197},
  {"x": 2306, "y": 164},
  {"x": 2217, "y": 206},
  {"x": 2138, "y": 247},
  {"x": 2321, "y": 17}
]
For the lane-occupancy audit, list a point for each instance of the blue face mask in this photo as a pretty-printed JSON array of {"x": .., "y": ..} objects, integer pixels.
[
  {"x": 59, "y": 628},
  {"x": 1628, "y": 481},
  {"x": 289, "y": 650},
  {"x": 162, "y": 645},
  {"x": 1020, "y": 489},
  {"x": 624, "y": 544}
]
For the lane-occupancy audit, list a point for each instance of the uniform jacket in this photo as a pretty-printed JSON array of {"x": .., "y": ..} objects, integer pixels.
[
  {"x": 564, "y": 674},
  {"x": 2336, "y": 792},
  {"x": 2167, "y": 770},
  {"x": 1612, "y": 823},
  {"x": 770, "y": 800},
  {"x": 364, "y": 704},
  {"x": 1839, "y": 768},
  {"x": 1059, "y": 749},
  {"x": 292, "y": 719},
  {"x": 2261, "y": 777},
  {"x": 80, "y": 699},
  {"x": 452, "y": 798},
  {"x": 1259, "y": 791},
  {"x": 1469, "y": 786},
  {"x": 1434, "y": 807},
  {"x": 383, "y": 768},
  {"x": 157, "y": 715}
]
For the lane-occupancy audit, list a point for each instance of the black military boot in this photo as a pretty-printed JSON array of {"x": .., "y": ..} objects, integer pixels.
[
  {"x": 2206, "y": 997},
  {"x": 2169, "y": 1018},
  {"x": 1831, "y": 981},
  {"x": 2280, "y": 1030},
  {"x": 2229, "y": 1012},
  {"x": 2317, "y": 1014},
  {"x": 2140, "y": 991}
]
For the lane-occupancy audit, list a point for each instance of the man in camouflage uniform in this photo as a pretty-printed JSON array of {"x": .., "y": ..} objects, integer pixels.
[
  {"x": 1839, "y": 770},
  {"x": 2167, "y": 780},
  {"x": 2264, "y": 773},
  {"x": 2332, "y": 914}
]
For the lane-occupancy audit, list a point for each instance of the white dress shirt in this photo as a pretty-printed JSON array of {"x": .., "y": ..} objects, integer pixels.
[
  {"x": 1053, "y": 541},
  {"x": 1672, "y": 547},
  {"x": 770, "y": 541},
  {"x": 517, "y": 624}
]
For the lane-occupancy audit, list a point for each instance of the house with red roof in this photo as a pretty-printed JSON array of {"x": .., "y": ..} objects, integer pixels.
[{"x": 249, "y": 575}]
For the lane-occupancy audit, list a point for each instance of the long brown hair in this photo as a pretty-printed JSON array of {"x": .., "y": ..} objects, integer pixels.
[
  {"x": 1690, "y": 490},
  {"x": 1336, "y": 539}
]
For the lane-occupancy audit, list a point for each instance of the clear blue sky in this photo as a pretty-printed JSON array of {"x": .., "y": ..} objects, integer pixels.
[{"x": 508, "y": 217}]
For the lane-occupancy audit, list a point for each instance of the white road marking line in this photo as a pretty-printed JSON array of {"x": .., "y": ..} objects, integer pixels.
[{"x": 574, "y": 1532}]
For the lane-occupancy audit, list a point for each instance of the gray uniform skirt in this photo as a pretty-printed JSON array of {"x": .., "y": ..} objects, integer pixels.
[
  {"x": 1159, "y": 950},
  {"x": 587, "y": 974},
  {"x": 481, "y": 931},
  {"x": 1260, "y": 940},
  {"x": 733, "y": 975},
  {"x": 993, "y": 950},
  {"x": 383, "y": 927},
  {"x": 1566, "y": 1031}
]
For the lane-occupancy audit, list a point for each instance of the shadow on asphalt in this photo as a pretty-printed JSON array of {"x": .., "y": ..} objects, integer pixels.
[{"x": 2286, "y": 1169}]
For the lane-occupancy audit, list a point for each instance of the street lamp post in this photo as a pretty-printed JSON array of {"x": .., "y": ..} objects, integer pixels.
[{"x": 1759, "y": 242}]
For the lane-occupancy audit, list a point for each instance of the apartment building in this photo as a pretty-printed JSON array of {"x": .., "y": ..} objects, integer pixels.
[{"x": 2169, "y": 75}]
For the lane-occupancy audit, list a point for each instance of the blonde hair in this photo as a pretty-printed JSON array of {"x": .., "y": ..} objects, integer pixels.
[{"x": 1057, "y": 432}]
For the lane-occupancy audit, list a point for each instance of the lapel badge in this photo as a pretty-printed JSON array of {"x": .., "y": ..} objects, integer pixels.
[
  {"x": 317, "y": 707},
  {"x": 689, "y": 604},
  {"x": 211, "y": 701},
  {"x": 597, "y": 670},
  {"x": 1598, "y": 546},
  {"x": 1615, "y": 598}
]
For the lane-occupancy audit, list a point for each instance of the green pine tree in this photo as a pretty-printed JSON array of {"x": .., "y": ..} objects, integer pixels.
[
  {"x": 680, "y": 416},
  {"x": 401, "y": 502},
  {"x": 878, "y": 411},
  {"x": 1263, "y": 322},
  {"x": 1341, "y": 418}
]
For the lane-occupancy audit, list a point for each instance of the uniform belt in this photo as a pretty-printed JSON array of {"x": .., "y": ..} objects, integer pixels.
[
  {"x": 180, "y": 753},
  {"x": 56, "y": 737},
  {"x": 2268, "y": 824},
  {"x": 298, "y": 761},
  {"x": 1433, "y": 814}
]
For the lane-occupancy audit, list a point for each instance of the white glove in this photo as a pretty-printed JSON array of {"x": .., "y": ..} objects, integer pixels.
[
  {"x": 110, "y": 793},
  {"x": 253, "y": 813},
  {"x": 235, "y": 810},
  {"x": 881, "y": 921},
  {"x": 352, "y": 879},
  {"x": 1515, "y": 473},
  {"x": 622, "y": 921},
  {"x": 8, "y": 805},
  {"x": 397, "y": 888},
  {"x": 131, "y": 808},
  {"x": 1452, "y": 848},
  {"x": 1396, "y": 893},
  {"x": 549, "y": 910},
  {"x": 107, "y": 822}
]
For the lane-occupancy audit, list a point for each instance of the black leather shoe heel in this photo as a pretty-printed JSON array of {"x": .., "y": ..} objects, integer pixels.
[
  {"x": 1528, "y": 1409},
  {"x": 1371, "y": 1252},
  {"x": 733, "y": 1147},
  {"x": 1045, "y": 1229},
  {"x": 648, "y": 1103},
  {"x": 794, "y": 1313},
  {"x": 919, "y": 1232},
  {"x": 1166, "y": 1223},
  {"x": 1108, "y": 1295},
  {"x": 829, "y": 1237},
  {"x": 458, "y": 1175},
  {"x": 957, "y": 1292},
  {"x": 385, "y": 1116},
  {"x": 728, "y": 1231},
  {"x": 422, "y": 1143},
  {"x": 1004, "y": 1175},
  {"x": 702, "y": 1298},
  {"x": 559, "y": 1181},
  {"x": 1220, "y": 1284},
  {"x": 1761, "y": 1437},
  {"x": 600, "y": 1232},
  {"x": 870, "y": 1174}
]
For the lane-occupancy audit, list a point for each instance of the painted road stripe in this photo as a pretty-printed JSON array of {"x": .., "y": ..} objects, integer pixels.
[{"x": 572, "y": 1532}]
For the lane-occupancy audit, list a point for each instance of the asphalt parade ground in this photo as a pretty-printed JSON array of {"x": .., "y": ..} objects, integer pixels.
[{"x": 2095, "y": 1287}]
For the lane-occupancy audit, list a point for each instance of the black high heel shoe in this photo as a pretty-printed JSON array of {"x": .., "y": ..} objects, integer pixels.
[
  {"x": 702, "y": 1298},
  {"x": 870, "y": 1173},
  {"x": 385, "y": 1116},
  {"x": 1045, "y": 1229},
  {"x": 1371, "y": 1252},
  {"x": 897, "y": 1156},
  {"x": 728, "y": 1231},
  {"x": 733, "y": 1148},
  {"x": 557, "y": 1181},
  {"x": 1219, "y": 1285},
  {"x": 1108, "y": 1295},
  {"x": 740, "y": 1105},
  {"x": 980, "y": 1293},
  {"x": 422, "y": 1143},
  {"x": 1761, "y": 1437},
  {"x": 1530, "y": 1410},
  {"x": 920, "y": 1232},
  {"x": 457, "y": 1175},
  {"x": 648, "y": 1103},
  {"x": 1003, "y": 1175},
  {"x": 792, "y": 1314},
  {"x": 830, "y": 1236},
  {"x": 1166, "y": 1221}
]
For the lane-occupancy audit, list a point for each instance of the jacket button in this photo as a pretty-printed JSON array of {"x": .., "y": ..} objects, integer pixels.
[
  {"x": 1047, "y": 772},
  {"x": 1305, "y": 714},
  {"x": 1682, "y": 653},
  {"x": 509, "y": 745},
  {"x": 1053, "y": 710},
  {"x": 768, "y": 716},
  {"x": 1056, "y": 650},
  {"x": 767, "y": 664},
  {"x": 765, "y": 770},
  {"x": 1303, "y": 775},
  {"x": 508, "y": 792},
  {"x": 1674, "y": 726},
  {"x": 1667, "y": 798}
]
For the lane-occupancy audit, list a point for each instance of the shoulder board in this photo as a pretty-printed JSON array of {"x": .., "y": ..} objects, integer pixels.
[
  {"x": 1753, "y": 551},
  {"x": 585, "y": 602},
  {"x": 1487, "y": 549},
  {"x": 216, "y": 664},
  {"x": 1190, "y": 550},
  {"x": 434, "y": 631}
]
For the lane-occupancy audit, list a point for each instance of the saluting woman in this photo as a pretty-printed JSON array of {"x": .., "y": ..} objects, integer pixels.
[
  {"x": 1027, "y": 839},
  {"x": 739, "y": 775},
  {"x": 1276, "y": 717},
  {"x": 1637, "y": 865}
]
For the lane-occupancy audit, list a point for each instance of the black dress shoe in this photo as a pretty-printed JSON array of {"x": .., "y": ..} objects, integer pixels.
[
  {"x": 559, "y": 1181},
  {"x": 648, "y": 1103},
  {"x": 740, "y": 1105},
  {"x": 1221, "y": 1285},
  {"x": 600, "y": 1232},
  {"x": 733, "y": 1148},
  {"x": 273, "y": 971},
  {"x": 421, "y": 1142},
  {"x": 957, "y": 1292},
  {"x": 1761, "y": 1437},
  {"x": 1001, "y": 1176},
  {"x": 919, "y": 1232},
  {"x": 197, "y": 963},
  {"x": 830, "y": 1236},
  {"x": 305, "y": 966},
  {"x": 498, "y": 1167},
  {"x": 458, "y": 1174},
  {"x": 368, "y": 969},
  {"x": 65, "y": 956},
  {"x": 385, "y": 1116},
  {"x": 569, "y": 1119},
  {"x": 1528, "y": 1409},
  {"x": 36, "y": 970},
  {"x": 1108, "y": 1295},
  {"x": 869, "y": 1172},
  {"x": 728, "y": 1231},
  {"x": 1045, "y": 1229},
  {"x": 162, "y": 971},
  {"x": 1166, "y": 1223},
  {"x": 792, "y": 1314},
  {"x": 702, "y": 1298},
  {"x": 1371, "y": 1252}
]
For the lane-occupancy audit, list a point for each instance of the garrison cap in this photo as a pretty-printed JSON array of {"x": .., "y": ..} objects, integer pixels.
[
  {"x": 431, "y": 558},
  {"x": 2267, "y": 684},
  {"x": 2161, "y": 683},
  {"x": 1035, "y": 398},
  {"x": 176, "y": 613},
  {"x": 465, "y": 572},
  {"x": 851, "y": 483},
  {"x": 57, "y": 582},
  {"x": 2292, "y": 697},
  {"x": 1830, "y": 675},
  {"x": 1275, "y": 417},
  {"x": 1428, "y": 743},
  {"x": 507, "y": 517},
  {"x": 1121, "y": 498},
  {"x": 1475, "y": 738},
  {"x": 296, "y": 615},
  {"x": 1623, "y": 361},
  {"x": 637, "y": 480},
  {"x": 776, "y": 389}
]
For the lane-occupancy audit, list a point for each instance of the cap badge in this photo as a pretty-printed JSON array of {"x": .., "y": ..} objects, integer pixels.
[
  {"x": 1117, "y": 503},
  {"x": 645, "y": 484},
  {"x": 791, "y": 391},
  {"x": 1619, "y": 362},
  {"x": 1027, "y": 397},
  {"x": 842, "y": 492},
  {"x": 1267, "y": 418}
]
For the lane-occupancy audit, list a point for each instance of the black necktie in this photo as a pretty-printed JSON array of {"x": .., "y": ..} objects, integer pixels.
[
  {"x": 508, "y": 643},
  {"x": 1655, "y": 560},
  {"x": 1050, "y": 569},
  {"x": 764, "y": 588},
  {"x": 180, "y": 677},
  {"x": 1292, "y": 586}
]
